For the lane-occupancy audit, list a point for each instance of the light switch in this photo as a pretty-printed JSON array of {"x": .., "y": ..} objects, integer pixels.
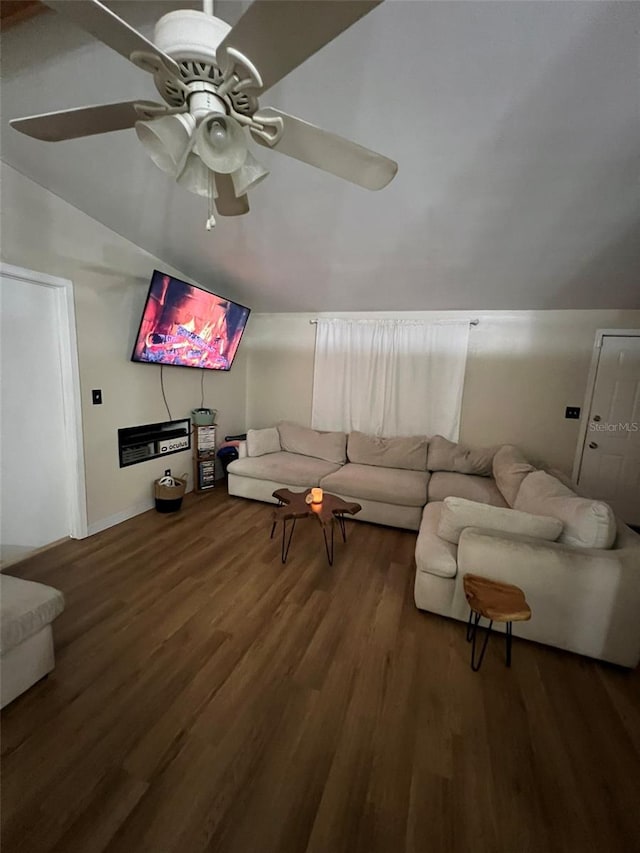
[
  {"x": 96, "y": 397},
  {"x": 572, "y": 412}
]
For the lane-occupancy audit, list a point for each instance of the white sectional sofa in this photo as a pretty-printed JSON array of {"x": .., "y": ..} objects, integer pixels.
[{"x": 488, "y": 512}]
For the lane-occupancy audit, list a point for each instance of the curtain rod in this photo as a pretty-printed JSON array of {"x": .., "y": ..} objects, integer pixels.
[{"x": 474, "y": 322}]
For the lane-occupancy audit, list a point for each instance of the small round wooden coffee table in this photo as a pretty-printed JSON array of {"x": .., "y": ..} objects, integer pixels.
[
  {"x": 293, "y": 505},
  {"x": 497, "y": 602}
]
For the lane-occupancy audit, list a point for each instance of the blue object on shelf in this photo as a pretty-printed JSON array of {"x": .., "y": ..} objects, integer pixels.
[{"x": 227, "y": 455}]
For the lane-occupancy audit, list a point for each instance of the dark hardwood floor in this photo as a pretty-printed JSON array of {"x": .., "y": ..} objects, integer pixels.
[{"x": 207, "y": 698}]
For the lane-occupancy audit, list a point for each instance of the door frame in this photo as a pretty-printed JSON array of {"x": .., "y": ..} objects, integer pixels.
[
  {"x": 71, "y": 399},
  {"x": 601, "y": 334}
]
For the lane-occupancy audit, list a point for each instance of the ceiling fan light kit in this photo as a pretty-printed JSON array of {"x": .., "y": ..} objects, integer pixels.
[{"x": 205, "y": 73}]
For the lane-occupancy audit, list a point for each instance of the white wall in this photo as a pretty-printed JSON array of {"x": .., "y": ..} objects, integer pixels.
[
  {"x": 523, "y": 369},
  {"x": 33, "y": 500},
  {"x": 111, "y": 276}
]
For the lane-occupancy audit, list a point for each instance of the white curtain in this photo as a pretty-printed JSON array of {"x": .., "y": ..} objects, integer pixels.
[{"x": 389, "y": 377}]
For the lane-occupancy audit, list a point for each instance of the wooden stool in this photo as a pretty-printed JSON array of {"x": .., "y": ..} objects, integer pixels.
[{"x": 497, "y": 602}]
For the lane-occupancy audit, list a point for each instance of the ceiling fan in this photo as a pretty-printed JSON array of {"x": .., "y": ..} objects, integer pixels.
[{"x": 210, "y": 76}]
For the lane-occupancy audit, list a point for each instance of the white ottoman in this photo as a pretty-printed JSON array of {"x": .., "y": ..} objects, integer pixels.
[{"x": 27, "y": 610}]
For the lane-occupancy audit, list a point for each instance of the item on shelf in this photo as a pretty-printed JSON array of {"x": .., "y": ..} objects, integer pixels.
[
  {"x": 206, "y": 438},
  {"x": 226, "y": 455},
  {"x": 204, "y": 457},
  {"x": 203, "y": 417}
]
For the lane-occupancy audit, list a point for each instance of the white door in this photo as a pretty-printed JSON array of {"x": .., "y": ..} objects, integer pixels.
[
  {"x": 35, "y": 503},
  {"x": 610, "y": 468}
]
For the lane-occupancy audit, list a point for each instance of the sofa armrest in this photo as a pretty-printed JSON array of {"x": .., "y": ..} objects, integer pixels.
[
  {"x": 242, "y": 450},
  {"x": 586, "y": 592}
]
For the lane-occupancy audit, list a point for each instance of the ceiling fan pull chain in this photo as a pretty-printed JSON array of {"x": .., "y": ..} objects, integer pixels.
[{"x": 211, "y": 221}]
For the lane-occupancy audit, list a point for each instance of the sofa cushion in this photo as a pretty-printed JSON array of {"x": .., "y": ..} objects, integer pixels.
[
  {"x": 408, "y": 452},
  {"x": 290, "y": 468},
  {"x": 458, "y": 513},
  {"x": 509, "y": 470},
  {"x": 262, "y": 441},
  {"x": 389, "y": 485},
  {"x": 25, "y": 608},
  {"x": 446, "y": 484},
  {"x": 435, "y": 555},
  {"x": 330, "y": 446},
  {"x": 445, "y": 455},
  {"x": 587, "y": 523}
]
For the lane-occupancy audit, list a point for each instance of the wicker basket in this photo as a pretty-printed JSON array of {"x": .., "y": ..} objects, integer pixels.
[{"x": 169, "y": 498}]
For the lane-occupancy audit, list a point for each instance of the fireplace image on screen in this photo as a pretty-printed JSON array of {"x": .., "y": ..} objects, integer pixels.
[{"x": 187, "y": 326}]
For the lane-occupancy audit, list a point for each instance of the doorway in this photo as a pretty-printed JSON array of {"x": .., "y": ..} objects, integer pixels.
[
  {"x": 608, "y": 458},
  {"x": 42, "y": 495}
]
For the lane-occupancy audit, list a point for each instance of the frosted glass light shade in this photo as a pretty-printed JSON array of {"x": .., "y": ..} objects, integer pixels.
[
  {"x": 195, "y": 177},
  {"x": 248, "y": 175},
  {"x": 166, "y": 140}
]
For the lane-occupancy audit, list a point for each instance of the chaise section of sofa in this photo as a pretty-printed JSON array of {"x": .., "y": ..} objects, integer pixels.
[
  {"x": 584, "y": 588},
  {"x": 583, "y": 600}
]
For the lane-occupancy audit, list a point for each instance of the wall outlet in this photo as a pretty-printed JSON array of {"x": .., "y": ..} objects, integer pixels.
[
  {"x": 96, "y": 397},
  {"x": 572, "y": 412}
]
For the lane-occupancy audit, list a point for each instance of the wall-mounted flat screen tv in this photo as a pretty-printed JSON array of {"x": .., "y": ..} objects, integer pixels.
[{"x": 188, "y": 326}]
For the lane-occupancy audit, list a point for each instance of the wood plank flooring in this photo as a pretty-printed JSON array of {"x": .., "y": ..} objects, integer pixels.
[{"x": 207, "y": 699}]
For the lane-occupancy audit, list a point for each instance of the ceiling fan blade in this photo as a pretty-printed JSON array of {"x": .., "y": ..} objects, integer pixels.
[
  {"x": 85, "y": 121},
  {"x": 278, "y": 35},
  {"x": 331, "y": 153},
  {"x": 107, "y": 27},
  {"x": 226, "y": 203}
]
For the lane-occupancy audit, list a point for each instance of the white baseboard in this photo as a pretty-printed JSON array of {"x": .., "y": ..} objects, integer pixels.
[
  {"x": 125, "y": 515},
  {"x": 119, "y": 517}
]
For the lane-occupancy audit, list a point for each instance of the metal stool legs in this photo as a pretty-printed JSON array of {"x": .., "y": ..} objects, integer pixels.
[
  {"x": 472, "y": 630},
  {"x": 286, "y": 542},
  {"x": 328, "y": 541}
]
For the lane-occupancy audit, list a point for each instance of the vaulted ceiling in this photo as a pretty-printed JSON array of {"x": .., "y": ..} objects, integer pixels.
[{"x": 515, "y": 126}]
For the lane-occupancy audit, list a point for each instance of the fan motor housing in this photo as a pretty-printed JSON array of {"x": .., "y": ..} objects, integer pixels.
[
  {"x": 190, "y": 35},
  {"x": 191, "y": 38}
]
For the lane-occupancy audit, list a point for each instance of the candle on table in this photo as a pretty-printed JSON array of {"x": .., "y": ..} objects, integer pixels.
[{"x": 316, "y": 496}]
